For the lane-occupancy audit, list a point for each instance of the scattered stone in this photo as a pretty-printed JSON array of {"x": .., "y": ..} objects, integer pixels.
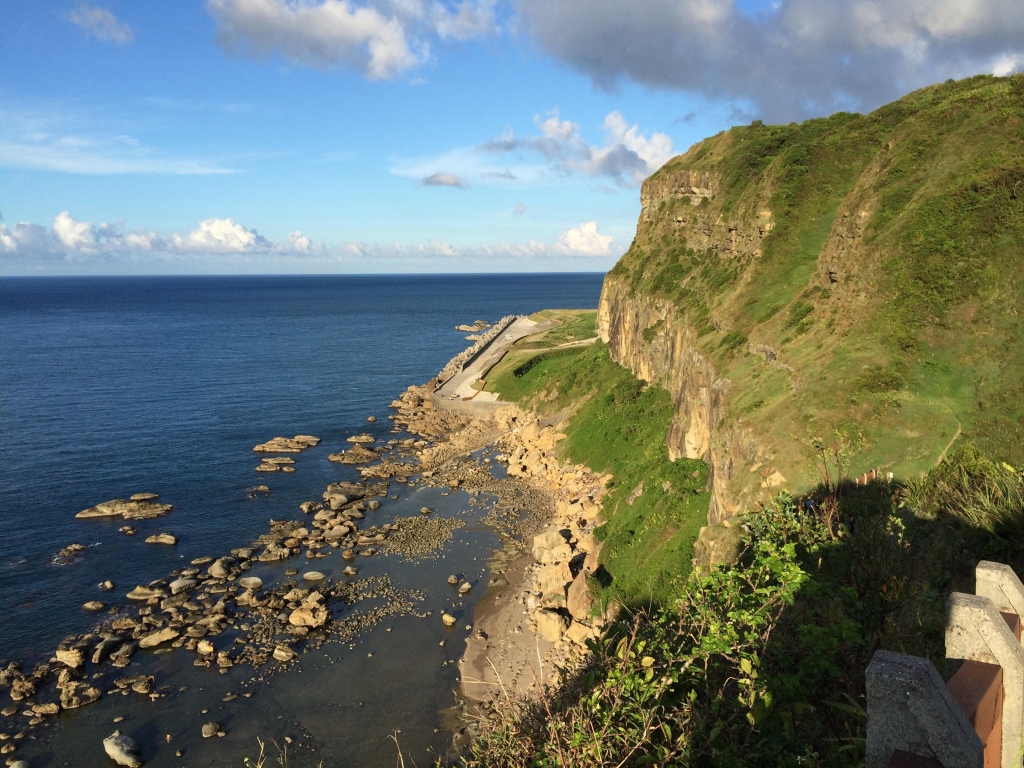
[
  {"x": 122, "y": 749},
  {"x": 107, "y": 585},
  {"x": 371, "y": 419},
  {"x": 453, "y": 579},
  {"x": 425, "y": 510},
  {"x": 162, "y": 538},
  {"x": 93, "y": 605},
  {"x": 250, "y": 582},
  {"x": 127, "y": 530},
  {"x": 312, "y": 576},
  {"x": 464, "y": 589},
  {"x": 448, "y": 619},
  {"x": 350, "y": 571},
  {"x": 363, "y": 438}
]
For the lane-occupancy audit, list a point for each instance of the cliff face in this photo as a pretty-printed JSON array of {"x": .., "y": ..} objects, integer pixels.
[
  {"x": 672, "y": 358},
  {"x": 794, "y": 283}
]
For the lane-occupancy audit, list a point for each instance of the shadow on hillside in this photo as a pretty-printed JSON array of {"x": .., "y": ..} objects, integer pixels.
[{"x": 860, "y": 571}]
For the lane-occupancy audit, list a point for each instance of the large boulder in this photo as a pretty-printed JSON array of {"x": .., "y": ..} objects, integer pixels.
[
  {"x": 311, "y": 613},
  {"x": 580, "y": 602},
  {"x": 182, "y": 585},
  {"x": 77, "y": 693},
  {"x": 146, "y": 592},
  {"x": 221, "y": 567},
  {"x": 122, "y": 749},
  {"x": 160, "y": 636},
  {"x": 551, "y": 547},
  {"x": 550, "y": 625},
  {"x": 551, "y": 580}
]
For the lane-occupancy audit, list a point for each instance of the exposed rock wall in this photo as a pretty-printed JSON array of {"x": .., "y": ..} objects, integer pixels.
[{"x": 672, "y": 359}]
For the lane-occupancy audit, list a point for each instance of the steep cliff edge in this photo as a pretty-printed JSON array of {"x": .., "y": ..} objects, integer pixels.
[{"x": 855, "y": 280}]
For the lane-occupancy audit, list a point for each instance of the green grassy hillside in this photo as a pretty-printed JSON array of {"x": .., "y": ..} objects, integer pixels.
[
  {"x": 880, "y": 256},
  {"x": 618, "y": 426}
]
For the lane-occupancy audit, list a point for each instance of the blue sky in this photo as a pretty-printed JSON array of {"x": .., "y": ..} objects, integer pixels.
[{"x": 409, "y": 135}]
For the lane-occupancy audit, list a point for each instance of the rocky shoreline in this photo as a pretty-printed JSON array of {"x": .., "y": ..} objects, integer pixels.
[{"x": 537, "y": 608}]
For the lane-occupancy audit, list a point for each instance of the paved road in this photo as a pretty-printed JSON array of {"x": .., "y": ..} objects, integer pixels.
[{"x": 459, "y": 385}]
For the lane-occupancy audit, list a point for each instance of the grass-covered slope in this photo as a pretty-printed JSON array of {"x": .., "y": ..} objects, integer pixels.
[
  {"x": 618, "y": 426},
  {"x": 880, "y": 257}
]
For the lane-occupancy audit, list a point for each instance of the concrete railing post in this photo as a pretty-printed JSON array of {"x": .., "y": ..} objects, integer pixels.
[
  {"x": 976, "y": 631},
  {"x": 910, "y": 710},
  {"x": 1000, "y": 584}
]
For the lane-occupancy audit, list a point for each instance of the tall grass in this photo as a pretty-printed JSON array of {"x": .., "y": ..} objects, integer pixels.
[{"x": 975, "y": 489}]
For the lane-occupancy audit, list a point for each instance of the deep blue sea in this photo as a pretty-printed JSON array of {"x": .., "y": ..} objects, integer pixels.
[{"x": 113, "y": 386}]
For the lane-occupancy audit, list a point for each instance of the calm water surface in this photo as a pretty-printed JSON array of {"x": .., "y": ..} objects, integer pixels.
[{"x": 112, "y": 386}]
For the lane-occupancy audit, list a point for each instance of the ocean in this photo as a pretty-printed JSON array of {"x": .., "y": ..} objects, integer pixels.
[{"x": 115, "y": 386}]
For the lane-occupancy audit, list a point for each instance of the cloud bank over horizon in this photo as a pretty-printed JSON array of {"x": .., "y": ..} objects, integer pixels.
[{"x": 71, "y": 240}]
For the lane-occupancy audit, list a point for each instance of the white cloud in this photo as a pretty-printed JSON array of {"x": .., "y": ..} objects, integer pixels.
[
  {"x": 324, "y": 35},
  {"x": 101, "y": 24},
  {"x": 299, "y": 242},
  {"x": 445, "y": 180},
  {"x": 627, "y": 156},
  {"x": 221, "y": 236},
  {"x": 792, "y": 59},
  {"x": 585, "y": 240},
  {"x": 76, "y": 235}
]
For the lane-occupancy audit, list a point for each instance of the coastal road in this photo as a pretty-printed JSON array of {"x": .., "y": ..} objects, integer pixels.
[{"x": 459, "y": 385}]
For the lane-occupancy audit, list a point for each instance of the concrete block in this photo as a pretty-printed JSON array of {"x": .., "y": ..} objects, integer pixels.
[
  {"x": 976, "y": 631},
  {"x": 1000, "y": 584},
  {"x": 910, "y": 709}
]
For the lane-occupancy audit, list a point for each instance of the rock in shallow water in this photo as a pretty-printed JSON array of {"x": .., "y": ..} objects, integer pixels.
[
  {"x": 250, "y": 582},
  {"x": 212, "y": 729},
  {"x": 182, "y": 585},
  {"x": 144, "y": 593},
  {"x": 122, "y": 749},
  {"x": 76, "y": 693},
  {"x": 93, "y": 605},
  {"x": 129, "y": 510},
  {"x": 162, "y": 538},
  {"x": 284, "y": 653},
  {"x": 160, "y": 636}
]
